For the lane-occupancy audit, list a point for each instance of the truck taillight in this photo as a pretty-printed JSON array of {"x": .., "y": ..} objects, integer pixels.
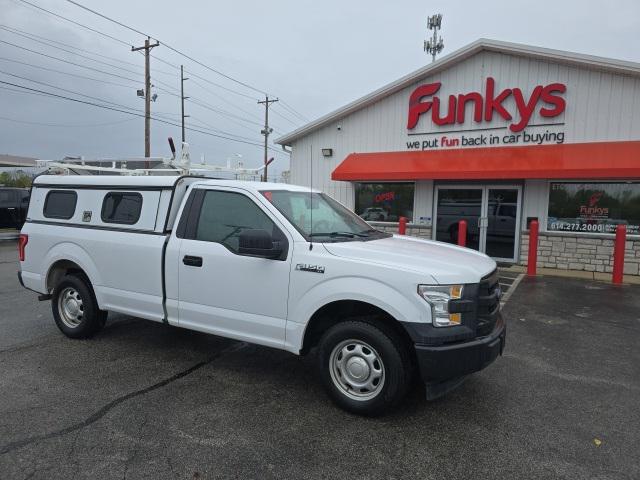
[{"x": 22, "y": 243}]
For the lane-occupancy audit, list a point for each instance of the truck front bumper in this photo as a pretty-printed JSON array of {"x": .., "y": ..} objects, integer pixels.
[{"x": 440, "y": 363}]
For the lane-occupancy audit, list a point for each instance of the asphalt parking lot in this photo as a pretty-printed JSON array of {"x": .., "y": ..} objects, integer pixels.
[{"x": 142, "y": 400}]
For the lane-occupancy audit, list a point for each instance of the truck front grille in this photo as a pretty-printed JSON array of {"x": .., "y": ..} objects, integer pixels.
[{"x": 488, "y": 304}]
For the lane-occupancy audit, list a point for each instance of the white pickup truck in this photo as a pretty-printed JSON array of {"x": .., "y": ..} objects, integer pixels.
[{"x": 272, "y": 264}]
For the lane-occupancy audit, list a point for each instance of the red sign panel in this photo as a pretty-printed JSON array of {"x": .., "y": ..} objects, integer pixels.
[{"x": 545, "y": 99}]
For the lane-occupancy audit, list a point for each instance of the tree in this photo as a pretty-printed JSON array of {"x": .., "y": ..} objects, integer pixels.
[{"x": 17, "y": 179}]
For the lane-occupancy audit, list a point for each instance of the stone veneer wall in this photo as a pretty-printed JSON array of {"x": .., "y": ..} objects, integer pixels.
[
  {"x": 564, "y": 252},
  {"x": 588, "y": 253}
]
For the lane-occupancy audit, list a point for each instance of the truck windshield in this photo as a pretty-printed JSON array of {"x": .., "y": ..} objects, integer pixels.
[{"x": 331, "y": 221}]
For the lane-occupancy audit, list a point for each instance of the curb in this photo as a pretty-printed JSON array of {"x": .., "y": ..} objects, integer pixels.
[{"x": 554, "y": 272}]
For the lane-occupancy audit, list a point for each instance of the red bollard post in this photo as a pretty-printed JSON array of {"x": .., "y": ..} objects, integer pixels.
[
  {"x": 402, "y": 225},
  {"x": 533, "y": 248},
  {"x": 462, "y": 233},
  {"x": 618, "y": 254}
]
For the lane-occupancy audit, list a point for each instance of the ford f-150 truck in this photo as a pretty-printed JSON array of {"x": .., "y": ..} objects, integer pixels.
[{"x": 273, "y": 264}]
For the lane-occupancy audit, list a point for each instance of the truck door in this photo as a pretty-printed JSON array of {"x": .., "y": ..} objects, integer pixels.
[{"x": 221, "y": 291}]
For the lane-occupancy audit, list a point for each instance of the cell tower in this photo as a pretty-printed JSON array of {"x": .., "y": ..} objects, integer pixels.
[{"x": 435, "y": 44}]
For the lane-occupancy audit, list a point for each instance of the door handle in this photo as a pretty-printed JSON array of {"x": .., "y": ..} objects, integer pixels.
[{"x": 192, "y": 261}]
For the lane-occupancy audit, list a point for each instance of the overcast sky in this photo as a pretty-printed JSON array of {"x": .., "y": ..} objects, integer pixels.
[{"x": 314, "y": 55}]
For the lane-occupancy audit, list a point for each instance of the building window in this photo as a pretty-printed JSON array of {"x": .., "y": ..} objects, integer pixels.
[
  {"x": 60, "y": 204},
  {"x": 121, "y": 207},
  {"x": 593, "y": 207},
  {"x": 384, "y": 202}
]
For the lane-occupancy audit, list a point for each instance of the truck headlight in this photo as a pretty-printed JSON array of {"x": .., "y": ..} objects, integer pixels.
[{"x": 438, "y": 296}]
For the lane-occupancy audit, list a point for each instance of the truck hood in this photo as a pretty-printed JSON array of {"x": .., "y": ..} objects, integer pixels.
[{"x": 446, "y": 263}]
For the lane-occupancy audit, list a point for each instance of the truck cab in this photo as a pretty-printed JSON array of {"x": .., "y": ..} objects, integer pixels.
[{"x": 272, "y": 264}]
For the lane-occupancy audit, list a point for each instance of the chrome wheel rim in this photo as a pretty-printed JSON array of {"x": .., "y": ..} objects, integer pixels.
[
  {"x": 357, "y": 370},
  {"x": 70, "y": 307}
]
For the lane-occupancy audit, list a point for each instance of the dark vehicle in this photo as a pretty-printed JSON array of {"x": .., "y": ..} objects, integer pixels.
[{"x": 14, "y": 203}]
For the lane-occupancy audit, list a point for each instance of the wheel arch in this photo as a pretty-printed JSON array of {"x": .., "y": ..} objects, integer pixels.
[
  {"x": 339, "y": 311},
  {"x": 59, "y": 269},
  {"x": 69, "y": 257}
]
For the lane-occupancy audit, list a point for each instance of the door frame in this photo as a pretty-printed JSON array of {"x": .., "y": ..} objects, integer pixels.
[{"x": 484, "y": 187}]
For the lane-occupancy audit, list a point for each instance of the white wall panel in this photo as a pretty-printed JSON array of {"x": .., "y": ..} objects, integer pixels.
[{"x": 600, "y": 106}]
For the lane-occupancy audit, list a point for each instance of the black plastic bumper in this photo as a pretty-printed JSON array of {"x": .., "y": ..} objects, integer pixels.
[{"x": 449, "y": 361}]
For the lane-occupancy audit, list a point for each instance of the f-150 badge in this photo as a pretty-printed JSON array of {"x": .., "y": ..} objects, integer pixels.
[{"x": 305, "y": 267}]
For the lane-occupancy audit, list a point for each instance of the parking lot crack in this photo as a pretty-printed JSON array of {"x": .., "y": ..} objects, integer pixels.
[{"x": 104, "y": 410}]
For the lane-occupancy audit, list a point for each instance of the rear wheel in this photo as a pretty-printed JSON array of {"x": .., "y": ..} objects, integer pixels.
[
  {"x": 75, "y": 309},
  {"x": 364, "y": 369}
]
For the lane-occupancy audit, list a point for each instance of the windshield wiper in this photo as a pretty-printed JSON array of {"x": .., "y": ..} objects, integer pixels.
[{"x": 339, "y": 234}]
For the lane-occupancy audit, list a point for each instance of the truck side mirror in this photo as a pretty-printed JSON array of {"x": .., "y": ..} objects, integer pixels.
[{"x": 258, "y": 243}]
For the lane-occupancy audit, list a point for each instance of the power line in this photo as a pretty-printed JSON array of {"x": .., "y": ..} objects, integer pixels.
[
  {"x": 110, "y": 19},
  {"x": 106, "y": 107},
  {"x": 222, "y": 86},
  {"x": 208, "y": 106},
  {"x": 288, "y": 119},
  {"x": 106, "y": 35},
  {"x": 78, "y": 125},
  {"x": 69, "y": 62},
  {"x": 222, "y": 74},
  {"x": 226, "y": 101},
  {"x": 29, "y": 35},
  {"x": 202, "y": 102},
  {"x": 64, "y": 89},
  {"x": 294, "y": 111},
  {"x": 285, "y": 105},
  {"x": 71, "y": 52},
  {"x": 159, "y": 114},
  {"x": 14, "y": 29},
  {"x": 65, "y": 73}
]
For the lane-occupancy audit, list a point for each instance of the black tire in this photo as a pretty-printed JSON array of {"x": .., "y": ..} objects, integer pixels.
[
  {"x": 81, "y": 317},
  {"x": 385, "y": 346}
]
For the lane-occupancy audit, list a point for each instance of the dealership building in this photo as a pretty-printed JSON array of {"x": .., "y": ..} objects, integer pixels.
[{"x": 497, "y": 134}]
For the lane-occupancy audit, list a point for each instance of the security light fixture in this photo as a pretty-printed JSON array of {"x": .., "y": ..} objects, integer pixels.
[{"x": 327, "y": 152}]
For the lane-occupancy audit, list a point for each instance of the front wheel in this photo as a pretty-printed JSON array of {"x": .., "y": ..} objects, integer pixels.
[
  {"x": 75, "y": 309},
  {"x": 364, "y": 369}
]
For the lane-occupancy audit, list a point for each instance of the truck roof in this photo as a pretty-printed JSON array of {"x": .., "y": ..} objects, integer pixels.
[{"x": 160, "y": 181}]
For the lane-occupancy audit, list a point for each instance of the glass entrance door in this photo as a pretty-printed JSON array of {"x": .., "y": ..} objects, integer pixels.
[
  {"x": 456, "y": 203},
  {"x": 492, "y": 214}
]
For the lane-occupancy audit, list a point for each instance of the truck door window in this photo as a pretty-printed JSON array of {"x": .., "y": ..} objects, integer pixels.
[
  {"x": 224, "y": 215},
  {"x": 121, "y": 207},
  {"x": 60, "y": 204}
]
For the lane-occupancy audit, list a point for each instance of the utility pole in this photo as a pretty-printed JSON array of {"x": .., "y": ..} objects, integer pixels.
[
  {"x": 182, "y": 97},
  {"x": 147, "y": 97},
  {"x": 266, "y": 132},
  {"x": 434, "y": 45}
]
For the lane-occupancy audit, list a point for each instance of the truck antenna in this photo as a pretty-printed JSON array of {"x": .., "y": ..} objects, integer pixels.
[{"x": 311, "y": 197}]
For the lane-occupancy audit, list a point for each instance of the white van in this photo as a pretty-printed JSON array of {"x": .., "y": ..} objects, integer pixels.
[{"x": 272, "y": 264}]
